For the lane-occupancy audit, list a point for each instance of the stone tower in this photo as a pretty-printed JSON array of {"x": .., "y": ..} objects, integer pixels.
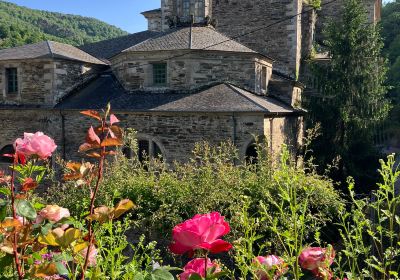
[
  {"x": 176, "y": 12},
  {"x": 281, "y": 41}
]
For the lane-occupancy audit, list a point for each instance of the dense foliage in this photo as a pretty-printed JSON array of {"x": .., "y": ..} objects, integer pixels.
[
  {"x": 352, "y": 99},
  {"x": 391, "y": 35},
  {"x": 273, "y": 227},
  {"x": 20, "y": 25}
]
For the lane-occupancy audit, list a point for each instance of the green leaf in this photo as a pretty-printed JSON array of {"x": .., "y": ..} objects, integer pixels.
[
  {"x": 5, "y": 191},
  {"x": 6, "y": 261},
  {"x": 161, "y": 274},
  {"x": 25, "y": 209},
  {"x": 3, "y": 210},
  {"x": 138, "y": 276},
  {"x": 38, "y": 206},
  {"x": 45, "y": 229},
  {"x": 195, "y": 276},
  {"x": 61, "y": 269}
]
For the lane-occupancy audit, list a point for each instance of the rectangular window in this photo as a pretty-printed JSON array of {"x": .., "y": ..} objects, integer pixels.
[
  {"x": 160, "y": 74},
  {"x": 186, "y": 8},
  {"x": 12, "y": 80},
  {"x": 264, "y": 78}
]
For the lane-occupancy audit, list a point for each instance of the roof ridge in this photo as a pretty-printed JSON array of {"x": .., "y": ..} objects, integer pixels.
[{"x": 50, "y": 50}]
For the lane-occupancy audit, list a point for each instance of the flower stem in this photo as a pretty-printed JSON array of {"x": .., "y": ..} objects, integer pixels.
[
  {"x": 14, "y": 213},
  {"x": 93, "y": 198},
  {"x": 205, "y": 265}
]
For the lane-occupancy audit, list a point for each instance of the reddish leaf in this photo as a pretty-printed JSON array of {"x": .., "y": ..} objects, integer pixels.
[
  {"x": 92, "y": 113},
  {"x": 29, "y": 184},
  {"x": 92, "y": 137},
  {"x": 113, "y": 119},
  {"x": 93, "y": 155},
  {"x": 74, "y": 166},
  {"x": 109, "y": 142},
  {"x": 86, "y": 147}
]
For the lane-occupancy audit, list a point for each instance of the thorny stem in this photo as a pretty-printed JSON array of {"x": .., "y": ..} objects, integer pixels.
[
  {"x": 14, "y": 213},
  {"x": 93, "y": 198}
]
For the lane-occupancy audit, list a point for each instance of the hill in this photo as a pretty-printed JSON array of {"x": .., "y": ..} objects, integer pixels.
[{"x": 20, "y": 25}]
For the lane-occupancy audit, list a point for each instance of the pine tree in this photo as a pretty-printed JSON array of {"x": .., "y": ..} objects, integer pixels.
[{"x": 352, "y": 94}]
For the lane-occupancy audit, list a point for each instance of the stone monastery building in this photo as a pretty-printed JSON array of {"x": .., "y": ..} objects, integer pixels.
[{"x": 214, "y": 70}]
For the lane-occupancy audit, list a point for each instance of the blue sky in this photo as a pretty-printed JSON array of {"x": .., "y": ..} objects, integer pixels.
[{"x": 122, "y": 13}]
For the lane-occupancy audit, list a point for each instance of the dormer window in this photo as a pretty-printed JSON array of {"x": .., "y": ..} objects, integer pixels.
[
  {"x": 264, "y": 78},
  {"x": 159, "y": 74},
  {"x": 12, "y": 80}
]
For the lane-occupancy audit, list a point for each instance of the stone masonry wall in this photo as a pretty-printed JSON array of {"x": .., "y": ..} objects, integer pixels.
[
  {"x": 134, "y": 70},
  {"x": 14, "y": 123},
  {"x": 331, "y": 11},
  {"x": 281, "y": 41},
  {"x": 35, "y": 81},
  {"x": 176, "y": 134},
  {"x": 42, "y": 82}
]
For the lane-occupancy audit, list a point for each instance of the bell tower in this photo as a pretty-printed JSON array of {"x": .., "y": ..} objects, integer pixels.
[{"x": 180, "y": 12}]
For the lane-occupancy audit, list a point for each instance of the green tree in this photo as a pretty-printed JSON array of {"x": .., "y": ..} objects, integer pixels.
[{"x": 352, "y": 94}]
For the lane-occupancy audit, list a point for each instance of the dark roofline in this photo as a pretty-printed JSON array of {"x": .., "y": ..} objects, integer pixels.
[
  {"x": 289, "y": 79},
  {"x": 151, "y": 11}
]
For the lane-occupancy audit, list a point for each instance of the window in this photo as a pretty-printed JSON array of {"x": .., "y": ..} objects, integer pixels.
[
  {"x": 252, "y": 154},
  {"x": 186, "y": 8},
  {"x": 264, "y": 78},
  {"x": 160, "y": 74},
  {"x": 146, "y": 149},
  {"x": 12, "y": 80},
  {"x": 6, "y": 150}
]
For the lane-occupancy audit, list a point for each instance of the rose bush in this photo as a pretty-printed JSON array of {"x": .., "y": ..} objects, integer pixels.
[
  {"x": 37, "y": 144},
  {"x": 201, "y": 232},
  {"x": 272, "y": 267},
  {"x": 199, "y": 267}
]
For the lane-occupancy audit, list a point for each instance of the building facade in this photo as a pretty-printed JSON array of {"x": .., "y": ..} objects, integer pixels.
[{"x": 205, "y": 70}]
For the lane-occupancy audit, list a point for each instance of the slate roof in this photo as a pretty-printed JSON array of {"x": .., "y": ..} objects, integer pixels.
[
  {"x": 218, "y": 98},
  {"x": 109, "y": 48},
  {"x": 195, "y": 38},
  {"x": 48, "y": 49}
]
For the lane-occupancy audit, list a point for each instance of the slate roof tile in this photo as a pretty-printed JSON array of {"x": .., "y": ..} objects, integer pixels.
[{"x": 48, "y": 49}]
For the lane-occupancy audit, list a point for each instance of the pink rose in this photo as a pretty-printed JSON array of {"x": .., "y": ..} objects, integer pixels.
[
  {"x": 92, "y": 255},
  {"x": 317, "y": 260},
  {"x": 272, "y": 267},
  {"x": 35, "y": 144},
  {"x": 201, "y": 232},
  {"x": 54, "y": 213},
  {"x": 197, "y": 266}
]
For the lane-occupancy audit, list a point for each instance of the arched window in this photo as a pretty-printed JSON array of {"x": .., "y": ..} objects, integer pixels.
[
  {"x": 252, "y": 154},
  {"x": 146, "y": 149},
  {"x": 8, "y": 149}
]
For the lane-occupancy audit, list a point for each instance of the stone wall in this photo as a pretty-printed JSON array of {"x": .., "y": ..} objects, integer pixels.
[
  {"x": 134, "y": 70},
  {"x": 331, "y": 11},
  {"x": 281, "y": 41},
  {"x": 284, "y": 131},
  {"x": 35, "y": 81},
  {"x": 43, "y": 82},
  {"x": 175, "y": 133},
  {"x": 172, "y": 10}
]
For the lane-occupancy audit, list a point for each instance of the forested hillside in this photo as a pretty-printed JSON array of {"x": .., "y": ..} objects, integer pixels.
[{"x": 20, "y": 25}]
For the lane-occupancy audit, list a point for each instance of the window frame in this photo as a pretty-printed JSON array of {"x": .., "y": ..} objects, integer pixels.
[
  {"x": 263, "y": 80},
  {"x": 157, "y": 76},
  {"x": 11, "y": 77},
  {"x": 186, "y": 8}
]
